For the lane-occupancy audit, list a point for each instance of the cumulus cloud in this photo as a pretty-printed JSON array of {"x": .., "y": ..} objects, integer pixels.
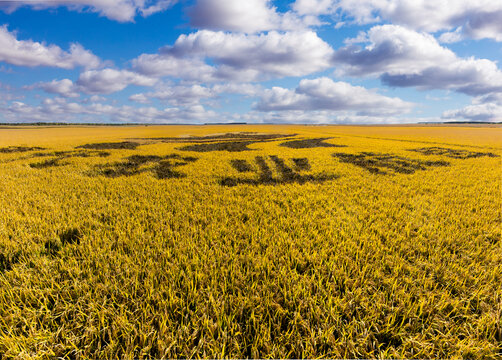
[
  {"x": 31, "y": 53},
  {"x": 483, "y": 108},
  {"x": 488, "y": 98},
  {"x": 320, "y": 117},
  {"x": 271, "y": 54},
  {"x": 403, "y": 57},
  {"x": 245, "y": 16},
  {"x": 326, "y": 94},
  {"x": 238, "y": 88},
  {"x": 184, "y": 95},
  {"x": 452, "y": 36},
  {"x": 485, "y": 24},
  {"x": 159, "y": 65},
  {"x": 64, "y": 87},
  {"x": 8, "y": 93},
  {"x": 120, "y": 10},
  {"x": 237, "y": 57},
  {"x": 478, "y": 112},
  {"x": 107, "y": 81},
  {"x": 469, "y": 76},
  {"x": 140, "y": 98},
  {"x": 475, "y": 19},
  {"x": 60, "y": 110},
  {"x": 104, "y": 81},
  {"x": 177, "y": 95}
]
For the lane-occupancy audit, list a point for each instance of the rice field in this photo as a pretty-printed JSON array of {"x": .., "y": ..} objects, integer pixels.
[{"x": 250, "y": 241}]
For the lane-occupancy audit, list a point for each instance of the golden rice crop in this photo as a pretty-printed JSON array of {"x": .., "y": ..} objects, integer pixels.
[{"x": 250, "y": 241}]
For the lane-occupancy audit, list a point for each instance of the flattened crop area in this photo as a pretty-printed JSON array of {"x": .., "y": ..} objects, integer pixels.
[{"x": 250, "y": 241}]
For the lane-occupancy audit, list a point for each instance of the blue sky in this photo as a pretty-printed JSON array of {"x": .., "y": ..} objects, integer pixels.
[{"x": 202, "y": 61}]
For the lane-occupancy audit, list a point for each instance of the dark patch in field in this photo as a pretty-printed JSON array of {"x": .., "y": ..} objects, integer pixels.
[
  {"x": 8, "y": 259},
  {"x": 72, "y": 153},
  {"x": 265, "y": 173},
  {"x": 129, "y": 145},
  {"x": 46, "y": 163},
  {"x": 70, "y": 236},
  {"x": 164, "y": 170},
  {"x": 65, "y": 237},
  {"x": 233, "y": 142},
  {"x": 52, "y": 247},
  {"x": 388, "y": 340},
  {"x": 374, "y": 162},
  {"x": 164, "y": 166},
  {"x": 222, "y": 137},
  {"x": 60, "y": 155},
  {"x": 19, "y": 149},
  {"x": 285, "y": 171},
  {"x": 143, "y": 159},
  {"x": 286, "y": 174},
  {"x": 241, "y": 165},
  {"x": 309, "y": 143},
  {"x": 120, "y": 169},
  {"x": 301, "y": 164},
  {"x": 452, "y": 153},
  {"x": 494, "y": 238},
  {"x": 232, "y": 146}
]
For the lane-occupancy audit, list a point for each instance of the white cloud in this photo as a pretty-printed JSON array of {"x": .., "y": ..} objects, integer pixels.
[
  {"x": 97, "y": 98},
  {"x": 159, "y": 65},
  {"x": 237, "y": 57},
  {"x": 476, "y": 19},
  {"x": 315, "y": 7},
  {"x": 120, "y": 10},
  {"x": 403, "y": 57},
  {"x": 59, "y": 110},
  {"x": 31, "y": 53},
  {"x": 391, "y": 49},
  {"x": 479, "y": 112},
  {"x": 140, "y": 98},
  {"x": 488, "y": 98},
  {"x": 452, "y": 36},
  {"x": 64, "y": 87},
  {"x": 245, "y": 16},
  {"x": 177, "y": 95},
  {"x": 325, "y": 94},
  {"x": 188, "y": 95},
  {"x": 320, "y": 117},
  {"x": 107, "y": 81},
  {"x": 483, "y": 108},
  {"x": 271, "y": 54},
  {"x": 238, "y": 88},
  {"x": 104, "y": 81},
  {"x": 485, "y": 24},
  {"x": 8, "y": 93}
]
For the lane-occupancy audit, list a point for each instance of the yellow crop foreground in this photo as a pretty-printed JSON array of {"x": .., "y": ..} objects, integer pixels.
[{"x": 250, "y": 241}]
